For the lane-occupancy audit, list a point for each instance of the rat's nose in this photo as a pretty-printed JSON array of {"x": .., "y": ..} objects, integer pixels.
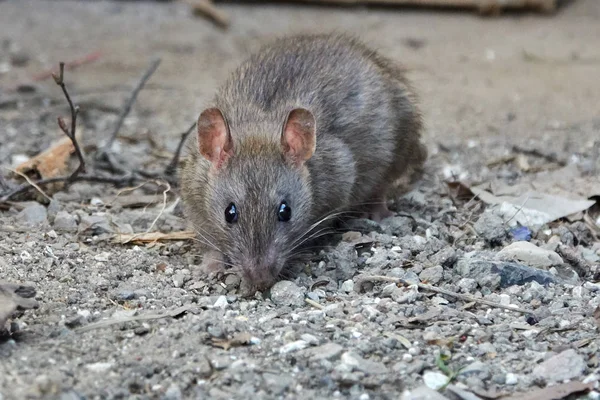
[{"x": 259, "y": 276}]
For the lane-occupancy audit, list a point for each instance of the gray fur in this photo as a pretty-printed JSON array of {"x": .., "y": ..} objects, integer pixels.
[{"x": 368, "y": 136}]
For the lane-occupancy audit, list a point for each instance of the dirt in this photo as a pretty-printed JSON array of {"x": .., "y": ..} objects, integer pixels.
[{"x": 486, "y": 86}]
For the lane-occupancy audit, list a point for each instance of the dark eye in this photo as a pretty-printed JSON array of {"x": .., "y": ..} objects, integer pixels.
[
  {"x": 231, "y": 213},
  {"x": 285, "y": 212}
]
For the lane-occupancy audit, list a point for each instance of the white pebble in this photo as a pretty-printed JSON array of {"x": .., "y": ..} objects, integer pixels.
[
  {"x": 99, "y": 367},
  {"x": 221, "y": 302},
  {"x": 504, "y": 299},
  {"x": 293, "y": 346},
  {"x": 407, "y": 357},
  {"x": 511, "y": 379},
  {"x": 434, "y": 380}
]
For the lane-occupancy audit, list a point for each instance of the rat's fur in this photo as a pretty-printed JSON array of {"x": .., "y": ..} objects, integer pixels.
[{"x": 368, "y": 137}]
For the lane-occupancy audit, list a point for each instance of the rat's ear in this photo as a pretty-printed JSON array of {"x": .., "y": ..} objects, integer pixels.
[
  {"x": 299, "y": 137},
  {"x": 214, "y": 140}
]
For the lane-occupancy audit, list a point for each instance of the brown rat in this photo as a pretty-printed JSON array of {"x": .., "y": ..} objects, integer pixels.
[{"x": 306, "y": 128}]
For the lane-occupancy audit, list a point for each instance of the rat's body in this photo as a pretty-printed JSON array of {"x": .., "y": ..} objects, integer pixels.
[{"x": 312, "y": 124}]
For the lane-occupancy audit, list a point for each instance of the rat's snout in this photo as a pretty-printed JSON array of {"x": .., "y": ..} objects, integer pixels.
[{"x": 261, "y": 271}]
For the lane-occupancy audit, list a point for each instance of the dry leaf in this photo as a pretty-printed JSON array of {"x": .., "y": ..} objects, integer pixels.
[
  {"x": 553, "y": 392},
  {"x": 532, "y": 208},
  {"x": 239, "y": 339},
  {"x": 15, "y": 297},
  {"x": 152, "y": 237},
  {"x": 51, "y": 162}
]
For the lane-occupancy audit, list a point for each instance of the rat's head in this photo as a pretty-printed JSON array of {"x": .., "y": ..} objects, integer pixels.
[{"x": 260, "y": 201}]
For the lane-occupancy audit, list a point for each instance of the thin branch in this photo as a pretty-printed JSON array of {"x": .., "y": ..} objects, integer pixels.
[
  {"x": 127, "y": 108},
  {"x": 3, "y": 183},
  {"x": 117, "y": 181},
  {"x": 537, "y": 153},
  {"x": 164, "y": 206},
  {"x": 172, "y": 166},
  {"x": 144, "y": 317},
  {"x": 61, "y": 123},
  {"x": 464, "y": 297},
  {"x": 29, "y": 181}
]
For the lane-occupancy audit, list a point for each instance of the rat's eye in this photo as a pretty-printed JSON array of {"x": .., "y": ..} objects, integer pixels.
[
  {"x": 231, "y": 213},
  {"x": 285, "y": 212}
]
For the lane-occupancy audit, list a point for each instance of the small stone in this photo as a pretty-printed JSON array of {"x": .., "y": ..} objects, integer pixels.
[
  {"x": 487, "y": 348},
  {"x": 203, "y": 368},
  {"x": 405, "y": 294},
  {"x": 347, "y": 286},
  {"x": 293, "y": 346},
  {"x": 530, "y": 255},
  {"x": 328, "y": 351},
  {"x": 173, "y": 393},
  {"x": 468, "y": 285},
  {"x": 277, "y": 383},
  {"x": 178, "y": 280},
  {"x": 399, "y": 226},
  {"x": 434, "y": 380},
  {"x": 511, "y": 379},
  {"x": 476, "y": 367},
  {"x": 34, "y": 214},
  {"x": 220, "y": 363},
  {"x": 353, "y": 361},
  {"x": 310, "y": 339},
  {"x": 99, "y": 366},
  {"x": 286, "y": 293},
  {"x": 125, "y": 295},
  {"x": 102, "y": 257},
  {"x": 491, "y": 227},
  {"x": 422, "y": 393},
  {"x": 432, "y": 275},
  {"x": 95, "y": 225},
  {"x": 566, "y": 365},
  {"x": 65, "y": 222},
  {"x": 221, "y": 302},
  {"x": 141, "y": 330}
]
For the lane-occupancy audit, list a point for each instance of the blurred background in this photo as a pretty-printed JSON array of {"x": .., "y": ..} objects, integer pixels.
[{"x": 483, "y": 80}]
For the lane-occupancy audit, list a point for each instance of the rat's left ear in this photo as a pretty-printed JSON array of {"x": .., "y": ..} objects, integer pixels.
[
  {"x": 299, "y": 137},
  {"x": 214, "y": 139}
]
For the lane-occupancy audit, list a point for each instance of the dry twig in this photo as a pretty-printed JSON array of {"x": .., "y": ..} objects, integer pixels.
[
  {"x": 482, "y": 6},
  {"x": 145, "y": 317},
  {"x": 172, "y": 166},
  {"x": 207, "y": 9},
  {"x": 128, "y": 104},
  {"x": 464, "y": 297},
  {"x": 63, "y": 127}
]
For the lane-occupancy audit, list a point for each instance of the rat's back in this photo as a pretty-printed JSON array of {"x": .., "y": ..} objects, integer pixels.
[{"x": 335, "y": 76}]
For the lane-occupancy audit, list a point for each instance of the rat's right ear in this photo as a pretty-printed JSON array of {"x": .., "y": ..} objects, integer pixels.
[
  {"x": 299, "y": 136},
  {"x": 214, "y": 140}
]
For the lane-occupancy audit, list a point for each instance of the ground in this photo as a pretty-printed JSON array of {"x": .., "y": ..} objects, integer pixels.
[{"x": 505, "y": 100}]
